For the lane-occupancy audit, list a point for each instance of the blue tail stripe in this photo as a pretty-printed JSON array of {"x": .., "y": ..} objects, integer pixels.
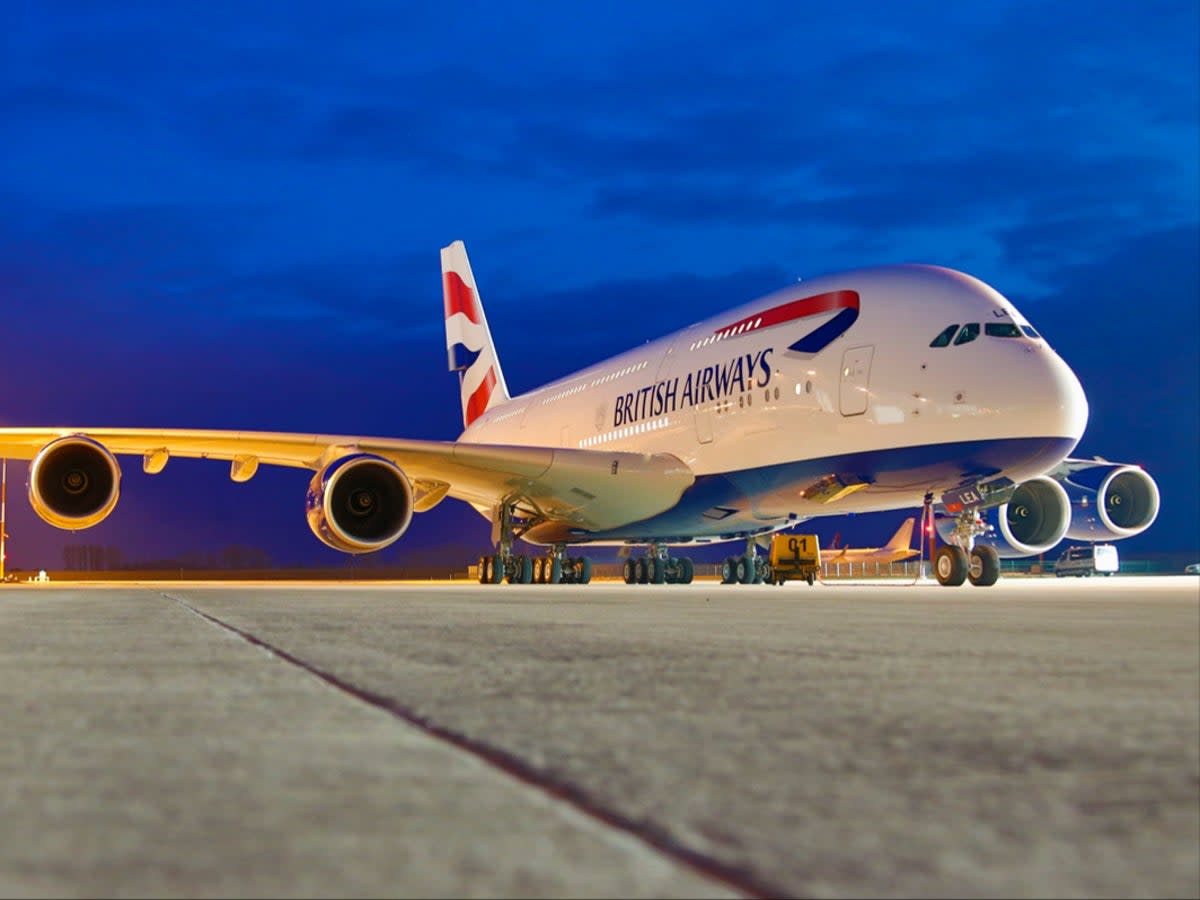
[{"x": 462, "y": 358}]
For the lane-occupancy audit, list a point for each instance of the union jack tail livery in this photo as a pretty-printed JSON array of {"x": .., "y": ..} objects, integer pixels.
[{"x": 468, "y": 339}]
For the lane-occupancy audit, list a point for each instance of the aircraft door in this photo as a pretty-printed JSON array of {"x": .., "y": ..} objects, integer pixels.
[{"x": 853, "y": 392}]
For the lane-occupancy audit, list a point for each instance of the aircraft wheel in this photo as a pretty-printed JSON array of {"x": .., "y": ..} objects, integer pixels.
[
  {"x": 483, "y": 570},
  {"x": 629, "y": 570},
  {"x": 495, "y": 572},
  {"x": 742, "y": 570},
  {"x": 984, "y": 567},
  {"x": 810, "y": 579},
  {"x": 656, "y": 571},
  {"x": 950, "y": 565},
  {"x": 583, "y": 570},
  {"x": 686, "y": 570},
  {"x": 729, "y": 570},
  {"x": 522, "y": 571},
  {"x": 554, "y": 571},
  {"x": 642, "y": 567},
  {"x": 539, "y": 571}
]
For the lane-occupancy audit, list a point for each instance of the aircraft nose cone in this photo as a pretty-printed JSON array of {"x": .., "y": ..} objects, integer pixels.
[{"x": 1066, "y": 401}]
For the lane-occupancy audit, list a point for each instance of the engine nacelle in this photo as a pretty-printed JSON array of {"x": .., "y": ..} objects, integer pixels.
[
  {"x": 74, "y": 482},
  {"x": 1033, "y": 520},
  {"x": 359, "y": 503},
  {"x": 1110, "y": 501}
]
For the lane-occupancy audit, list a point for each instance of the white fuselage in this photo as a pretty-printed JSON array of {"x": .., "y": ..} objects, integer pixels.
[{"x": 876, "y": 404}]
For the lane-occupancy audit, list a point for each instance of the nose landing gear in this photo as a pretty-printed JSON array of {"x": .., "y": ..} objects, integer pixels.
[{"x": 965, "y": 560}]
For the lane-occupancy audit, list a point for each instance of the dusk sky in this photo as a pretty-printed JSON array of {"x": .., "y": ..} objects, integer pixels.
[{"x": 228, "y": 215}]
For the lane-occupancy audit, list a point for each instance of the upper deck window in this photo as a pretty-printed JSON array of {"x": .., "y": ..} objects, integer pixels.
[
  {"x": 943, "y": 339},
  {"x": 1001, "y": 329},
  {"x": 969, "y": 332}
]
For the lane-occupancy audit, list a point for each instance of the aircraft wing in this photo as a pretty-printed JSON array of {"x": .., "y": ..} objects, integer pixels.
[{"x": 591, "y": 489}]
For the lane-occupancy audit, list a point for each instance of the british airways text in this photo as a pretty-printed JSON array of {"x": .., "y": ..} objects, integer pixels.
[{"x": 702, "y": 386}]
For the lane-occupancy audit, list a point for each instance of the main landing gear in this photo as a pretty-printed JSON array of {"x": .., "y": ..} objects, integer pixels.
[
  {"x": 963, "y": 559},
  {"x": 749, "y": 568},
  {"x": 658, "y": 567},
  {"x": 554, "y": 568}
]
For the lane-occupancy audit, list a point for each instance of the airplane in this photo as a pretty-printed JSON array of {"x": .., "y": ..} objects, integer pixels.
[
  {"x": 898, "y": 548},
  {"x": 882, "y": 388}
]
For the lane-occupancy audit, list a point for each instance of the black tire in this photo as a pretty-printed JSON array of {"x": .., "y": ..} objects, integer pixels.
[
  {"x": 495, "y": 570},
  {"x": 729, "y": 570},
  {"x": 539, "y": 571},
  {"x": 745, "y": 570},
  {"x": 686, "y": 570},
  {"x": 983, "y": 568},
  {"x": 583, "y": 570},
  {"x": 483, "y": 570},
  {"x": 521, "y": 571},
  {"x": 950, "y": 565},
  {"x": 554, "y": 571},
  {"x": 629, "y": 570},
  {"x": 810, "y": 579},
  {"x": 656, "y": 571},
  {"x": 643, "y": 570}
]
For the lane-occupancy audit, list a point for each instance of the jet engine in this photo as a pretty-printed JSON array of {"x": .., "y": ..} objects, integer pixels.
[
  {"x": 359, "y": 503},
  {"x": 74, "y": 482},
  {"x": 1033, "y": 520},
  {"x": 1109, "y": 501}
]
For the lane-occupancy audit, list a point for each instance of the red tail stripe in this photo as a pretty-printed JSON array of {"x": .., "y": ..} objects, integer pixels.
[
  {"x": 478, "y": 401},
  {"x": 459, "y": 298}
]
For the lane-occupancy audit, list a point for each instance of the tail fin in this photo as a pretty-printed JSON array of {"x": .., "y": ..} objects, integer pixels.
[
  {"x": 902, "y": 539},
  {"x": 468, "y": 340}
]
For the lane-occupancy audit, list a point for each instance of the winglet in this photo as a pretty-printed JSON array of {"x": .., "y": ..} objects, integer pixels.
[{"x": 469, "y": 345}]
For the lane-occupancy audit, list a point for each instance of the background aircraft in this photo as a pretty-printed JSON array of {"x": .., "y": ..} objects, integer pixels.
[{"x": 898, "y": 548}]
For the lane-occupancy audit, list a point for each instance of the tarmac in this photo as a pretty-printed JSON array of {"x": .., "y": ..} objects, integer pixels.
[{"x": 1038, "y": 738}]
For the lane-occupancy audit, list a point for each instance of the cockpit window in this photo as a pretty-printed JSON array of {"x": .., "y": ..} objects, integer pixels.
[
  {"x": 969, "y": 332},
  {"x": 1001, "y": 329},
  {"x": 943, "y": 339},
  {"x": 1029, "y": 331}
]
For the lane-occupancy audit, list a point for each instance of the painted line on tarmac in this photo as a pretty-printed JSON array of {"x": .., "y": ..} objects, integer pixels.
[{"x": 654, "y": 836}]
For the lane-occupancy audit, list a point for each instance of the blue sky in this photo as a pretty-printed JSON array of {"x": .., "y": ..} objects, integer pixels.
[{"x": 228, "y": 215}]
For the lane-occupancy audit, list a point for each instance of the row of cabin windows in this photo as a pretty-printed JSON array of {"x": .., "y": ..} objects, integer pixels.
[{"x": 970, "y": 331}]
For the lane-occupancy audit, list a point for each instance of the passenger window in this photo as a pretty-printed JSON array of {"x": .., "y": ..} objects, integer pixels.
[
  {"x": 1001, "y": 329},
  {"x": 943, "y": 339},
  {"x": 1029, "y": 332},
  {"x": 969, "y": 332}
]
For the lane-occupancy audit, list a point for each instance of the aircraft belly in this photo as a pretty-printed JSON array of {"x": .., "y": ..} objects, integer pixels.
[{"x": 733, "y": 504}]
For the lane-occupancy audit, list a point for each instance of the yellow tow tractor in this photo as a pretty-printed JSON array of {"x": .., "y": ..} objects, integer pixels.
[{"x": 795, "y": 556}]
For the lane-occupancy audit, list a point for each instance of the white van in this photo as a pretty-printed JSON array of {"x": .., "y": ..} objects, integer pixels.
[{"x": 1083, "y": 561}]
